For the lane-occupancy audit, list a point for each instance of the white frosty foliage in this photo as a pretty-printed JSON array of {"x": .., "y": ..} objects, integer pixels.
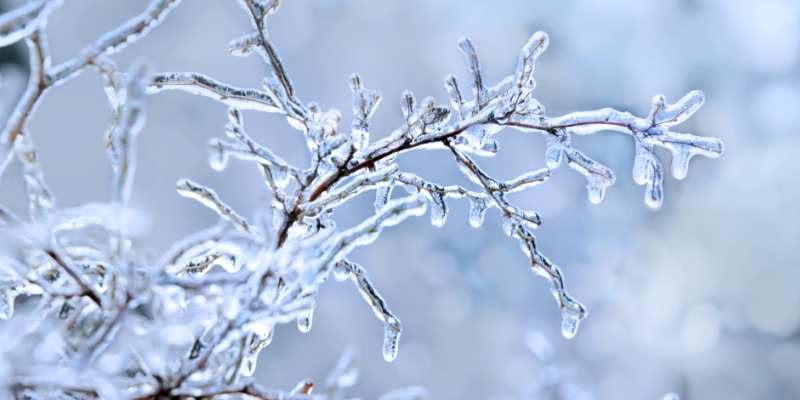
[{"x": 109, "y": 322}]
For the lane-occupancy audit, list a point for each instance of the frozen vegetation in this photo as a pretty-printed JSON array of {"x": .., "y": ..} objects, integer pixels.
[{"x": 99, "y": 318}]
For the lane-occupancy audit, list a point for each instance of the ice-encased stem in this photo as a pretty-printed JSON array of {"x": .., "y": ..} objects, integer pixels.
[{"x": 392, "y": 327}]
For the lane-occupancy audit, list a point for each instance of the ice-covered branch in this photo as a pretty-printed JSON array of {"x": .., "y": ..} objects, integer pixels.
[
  {"x": 202, "y": 85},
  {"x": 18, "y": 24},
  {"x": 209, "y": 198},
  {"x": 116, "y": 39},
  {"x": 122, "y": 325}
]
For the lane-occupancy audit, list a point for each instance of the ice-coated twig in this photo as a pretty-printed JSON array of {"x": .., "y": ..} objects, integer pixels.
[
  {"x": 350, "y": 189},
  {"x": 393, "y": 328},
  {"x": 366, "y": 232},
  {"x": 209, "y": 198},
  {"x": 276, "y": 171},
  {"x": 87, "y": 290},
  {"x": 40, "y": 200},
  {"x": 571, "y": 310},
  {"x": 207, "y": 330},
  {"x": 199, "y": 84},
  {"x": 365, "y": 102},
  {"x": 39, "y": 57},
  {"x": 116, "y": 39},
  {"x": 474, "y": 69},
  {"x": 122, "y": 137},
  {"x": 44, "y": 77},
  {"x": 17, "y": 24},
  {"x": 277, "y": 83}
]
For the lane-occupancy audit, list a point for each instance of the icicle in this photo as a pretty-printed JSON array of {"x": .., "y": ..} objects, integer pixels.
[
  {"x": 365, "y": 102},
  {"x": 391, "y": 337},
  {"x": 641, "y": 162},
  {"x": 217, "y": 155},
  {"x": 7, "y": 296},
  {"x": 654, "y": 190},
  {"x": 680, "y": 162},
  {"x": 260, "y": 337},
  {"x": 555, "y": 150},
  {"x": 569, "y": 322},
  {"x": 379, "y": 307},
  {"x": 438, "y": 208},
  {"x": 598, "y": 176},
  {"x": 408, "y": 105},
  {"x": 477, "y": 209},
  {"x": 304, "y": 318},
  {"x": 249, "y": 362},
  {"x": 684, "y": 146}
]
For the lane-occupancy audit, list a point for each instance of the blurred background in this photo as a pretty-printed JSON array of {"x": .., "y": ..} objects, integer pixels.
[{"x": 701, "y": 298}]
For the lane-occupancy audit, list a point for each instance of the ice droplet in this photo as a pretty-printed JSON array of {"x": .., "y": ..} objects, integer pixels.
[
  {"x": 477, "y": 209},
  {"x": 438, "y": 209},
  {"x": 671, "y": 396},
  {"x": 597, "y": 189},
  {"x": 391, "y": 337},
  {"x": 570, "y": 318},
  {"x": 304, "y": 318}
]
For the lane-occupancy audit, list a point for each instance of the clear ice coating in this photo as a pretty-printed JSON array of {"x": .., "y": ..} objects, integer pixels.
[
  {"x": 391, "y": 339},
  {"x": 477, "y": 209},
  {"x": 208, "y": 327},
  {"x": 22, "y": 22},
  {"x": 382, "y": 195},
  {"x": 570, "y": 319},
  {"x": 304, "y": 319}
]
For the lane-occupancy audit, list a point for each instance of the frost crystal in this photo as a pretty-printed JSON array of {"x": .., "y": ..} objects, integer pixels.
[{"x": 104, "y": 320}]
